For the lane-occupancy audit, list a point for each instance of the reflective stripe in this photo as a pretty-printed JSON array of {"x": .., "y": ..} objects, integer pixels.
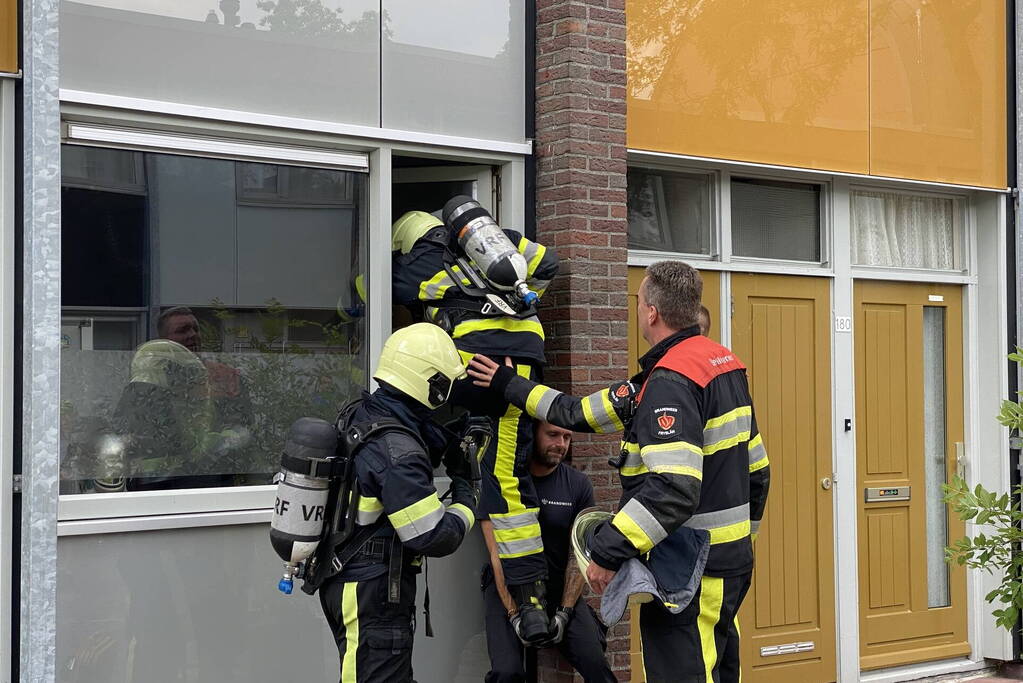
[
  {"x": 437, "y": 286},
  {"x": 677, "y": 457},
  {"x": 519, "y": 533},
  {"x": 504, "y": 458},
  {"x": 350, "y": 618},
  {"x": 540, "y": 400},
  {"x": 533, "y": 252},
  {"x": 513, "y": 520},
  {"x": 712, "y": 595},
  {"x": 633, "y": 465},
  {"x": 600, "y": 413},
  {"x": 727, "y": 430},
  {"x": 421, "y": 517},
  {"x": 639, "y": 526},
  {"x": 530, "y": 324},
  {"x": 754, "y": 527},
  {"x": 370, "y": 510},
  {"x": 513, "y": 549},
  {"x": 724, "y": 525},
  {"x": 757, "y": 454},
  {"x": 464, "y": 513}
]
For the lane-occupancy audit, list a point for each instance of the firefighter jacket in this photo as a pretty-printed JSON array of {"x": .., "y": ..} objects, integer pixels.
[
  {"x": 419, "y": 280},
  {"x": 692, "y": 453},
  {"x": 394, "y": 475}
]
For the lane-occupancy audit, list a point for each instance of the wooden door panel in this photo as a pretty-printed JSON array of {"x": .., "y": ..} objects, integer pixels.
[
  {"x": 780, "y": 329},
  {"x": 897, "y": 624}
]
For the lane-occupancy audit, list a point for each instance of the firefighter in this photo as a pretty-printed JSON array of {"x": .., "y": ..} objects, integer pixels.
[
  {"x": 691, "y": 455},
  {"x": 421, "y": 283},
  {"x": 370, "y": 604}
]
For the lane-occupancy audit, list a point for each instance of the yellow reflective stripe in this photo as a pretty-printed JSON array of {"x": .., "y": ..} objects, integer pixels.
[
  {"x": 712, "y": 594},
  {"x": 428, "y": 509},
  {"x": 758, "y": 465},
  {"x": 630, "y": 470},
  {"x": 683, "y": 470},
  {"x": 757, "y": 454},
  {"x": 531, "y": 324},
  {"x": 465, "y": 513},
  {"x": 520, "y": 533},
  {"x": 669, "y": 447},
  {"x": 634, "y": 471},
  {"x": 725, "y": 444},
  {"x": 610, "y": 408},
  {"x": 732, "y": 532},
  {"x": 632, "y": 531},
  {"x": 591, "y": 419},
  {"x": 504, "y": 461},
  {"x": 505, "y": 554},
  {"x": 639, "y": 526},
  {"x": 350, "y": 618},
  {"x": 434, "y": 283},
  {"x": 741, "y": 411},
  {"x": 535, "y": 261},
  {"x": 534, "y": 398},
  {"x": 369, "y": 504}
]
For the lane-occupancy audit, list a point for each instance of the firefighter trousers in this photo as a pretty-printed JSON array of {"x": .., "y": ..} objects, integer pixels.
[
  {"x": 700, "y": 644},
  {"x": 508, "y": 496},
  {"x": 373, "y": 636}
]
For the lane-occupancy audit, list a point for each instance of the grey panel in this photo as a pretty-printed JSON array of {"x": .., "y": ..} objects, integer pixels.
[
  {"x": 192, "y": 202},
  {"x": 320, "y": 64},
  {"x": 300, "y": 257},
  {"x": 201, "y": 605},
  {"x": 454, "y": 67}
]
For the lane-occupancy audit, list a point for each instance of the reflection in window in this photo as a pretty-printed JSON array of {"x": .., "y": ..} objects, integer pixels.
[
  {"x": 906, "y": 231},
  {"x": 776, "y": 220},
  {"x": 207, "y": 305},
  {"x": 669, "y": 211}
]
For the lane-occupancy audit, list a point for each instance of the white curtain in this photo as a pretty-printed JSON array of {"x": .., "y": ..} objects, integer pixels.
[{"x": 904, "y": 231}]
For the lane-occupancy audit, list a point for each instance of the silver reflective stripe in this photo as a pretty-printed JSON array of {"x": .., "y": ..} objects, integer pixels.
[
  {"x": 463, "y": 515},
  {"x": 674, "y": 457},
  {"x": 738, "y": 425},
  {"x": 543, "y": 406},
  {"x": 522, "y": 547},
  {"x": 599, "y": 412},
  {"x": 719, "y": 518},
  {"x": 757, "y": 453},
  {"x": 423, "y": 525},
  {"x": 635, "y": 511},
  {"x": 432, "y": 290},
  {"x": 515, "y": 521},
  {"x": 755, "y": 526},
  {"x": 632, "y": 460},
  {"x": 367, "y": 517},
  {"x": 530, "y": 251},
  {"x": 539, "y": 285}
]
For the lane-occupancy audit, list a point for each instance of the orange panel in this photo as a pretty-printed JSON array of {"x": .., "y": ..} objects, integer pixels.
[
  {"x": 937, "y": 85},
  {"x": 8, "y": 35},
  {"x": 773, "y": 81}
]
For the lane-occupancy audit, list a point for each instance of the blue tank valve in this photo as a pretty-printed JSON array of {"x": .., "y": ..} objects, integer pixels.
[
  {"x": 529, "y": 298},
  {"x": 285, "y": 586}
]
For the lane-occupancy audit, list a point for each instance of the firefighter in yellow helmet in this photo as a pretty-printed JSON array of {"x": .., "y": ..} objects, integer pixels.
[
  {"x": 421, "y": 245},
  {"x": 369, "y": 604}
]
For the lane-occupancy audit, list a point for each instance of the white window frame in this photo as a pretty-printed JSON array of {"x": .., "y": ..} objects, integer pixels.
[
  {"x": 187, "y": 508},
  {"x": 715, "y": 212}
]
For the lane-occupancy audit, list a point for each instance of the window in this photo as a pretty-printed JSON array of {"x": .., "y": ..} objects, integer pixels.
[
  {"x": 208, "y": 304},
  {"x": 669, "y": 211},
  {"x": 893, "y": 229},
  {"x": 776, "y": 220}
]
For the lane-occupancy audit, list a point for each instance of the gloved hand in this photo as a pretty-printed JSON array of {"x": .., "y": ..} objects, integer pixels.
[
  {"x": 559, "y": 624},
  {"x": 465, "y": 493},
  {"x": 519, "y": 628}
]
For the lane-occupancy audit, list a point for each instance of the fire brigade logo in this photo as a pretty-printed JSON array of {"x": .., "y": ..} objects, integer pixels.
[
  {"x": 666, "y": 418},
  {"x": 622, "y": 391},
  {"x": 666, "y": 421}
]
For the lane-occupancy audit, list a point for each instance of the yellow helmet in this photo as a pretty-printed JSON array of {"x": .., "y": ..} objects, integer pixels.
[
  {"x": 410, "y": 227},
  {"x": 167, "y": 364},
  {"x": 422, "y": 362}
]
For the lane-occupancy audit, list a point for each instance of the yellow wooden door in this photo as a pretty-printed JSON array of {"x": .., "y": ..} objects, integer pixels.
[
  {"x": 711, "y": 299},
  {"x": 909, "y": 408},
  {"x": 781, "y": 330}
]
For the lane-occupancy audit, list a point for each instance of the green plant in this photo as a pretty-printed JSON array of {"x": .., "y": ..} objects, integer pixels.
[{"x": 998, "y": 550}]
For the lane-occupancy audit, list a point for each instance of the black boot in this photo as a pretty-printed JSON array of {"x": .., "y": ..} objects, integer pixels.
[{"x": 533, "y": 625}]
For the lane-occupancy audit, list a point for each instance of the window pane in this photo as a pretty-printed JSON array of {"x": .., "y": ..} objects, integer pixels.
[
  {"x": 935, "y": 464},
  {"x": 669, "y": 211},
  {"x": 251, "y": 313},
  {"x": 776, "y": 220},
  {"x": 905, "y": 231}
]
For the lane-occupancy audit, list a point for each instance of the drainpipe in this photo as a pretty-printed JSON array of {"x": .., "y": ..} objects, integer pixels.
[{"x": 1014, "y": 241}]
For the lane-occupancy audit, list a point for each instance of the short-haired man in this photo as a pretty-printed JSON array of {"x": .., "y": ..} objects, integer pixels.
[
  {"x": 563, "y": 492},
  {"x": 704, "y": 321},
  {"x": 692, "y": 456}
]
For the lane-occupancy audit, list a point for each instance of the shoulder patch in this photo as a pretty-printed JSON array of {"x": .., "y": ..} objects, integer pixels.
[{"x": 666, "y": 421}]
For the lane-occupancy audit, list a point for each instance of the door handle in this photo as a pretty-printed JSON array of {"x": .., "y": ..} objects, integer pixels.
[
  {"x": 826, "y": 483},
  {"x": 961, "y": 459}
]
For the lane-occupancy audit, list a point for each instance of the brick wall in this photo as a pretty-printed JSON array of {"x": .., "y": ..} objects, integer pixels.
[{"x": 581, "y": 169}]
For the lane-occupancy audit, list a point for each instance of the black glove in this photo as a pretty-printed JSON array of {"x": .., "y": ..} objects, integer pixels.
[
  {"x": 465, "y": 493},
  {"x": 559, "y": 624},
  {"x": 502, "y": 378}
]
